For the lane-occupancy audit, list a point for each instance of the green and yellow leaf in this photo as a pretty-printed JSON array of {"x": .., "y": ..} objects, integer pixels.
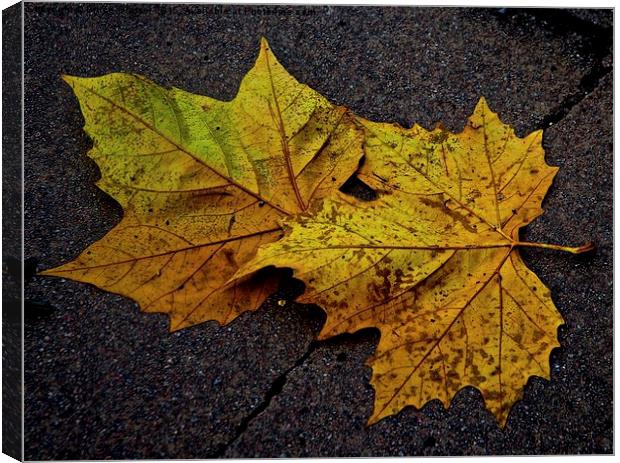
[{"x": 203, "y": 183}]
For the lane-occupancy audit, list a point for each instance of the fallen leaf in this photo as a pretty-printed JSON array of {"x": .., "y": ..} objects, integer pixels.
[
  {"x": 203, "y": 183},
  {"x": 434, "y": 263}
]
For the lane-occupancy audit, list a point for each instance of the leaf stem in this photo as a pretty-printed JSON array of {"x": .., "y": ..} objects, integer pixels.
[{"x": 572, "y": 249}]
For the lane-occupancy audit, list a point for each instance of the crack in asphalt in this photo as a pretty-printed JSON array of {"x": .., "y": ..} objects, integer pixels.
[
  {"x": 276, "y": 388},
  {"x": 597, "y": 43},
  {"x": 588, "y": 84}
]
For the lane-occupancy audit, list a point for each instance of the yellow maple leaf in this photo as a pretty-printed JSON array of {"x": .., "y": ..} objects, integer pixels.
[
  {"x": 434, "y": 263},
  {"x": 203, "y": 183}
]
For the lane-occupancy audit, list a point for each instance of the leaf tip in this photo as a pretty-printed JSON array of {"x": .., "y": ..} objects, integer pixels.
[
  {"x": 264, "y": 43},
  {"x": 51, "y": 272},
  {"x": 372, "y": 420},
  {"x": 265, "y": 53},
  {"x": 173, "y": 327},
  {"x": 482, "y": 105},
  {"x": 67, "y": 78}
]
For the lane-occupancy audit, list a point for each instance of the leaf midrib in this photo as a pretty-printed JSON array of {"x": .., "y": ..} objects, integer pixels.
[
  {"x": 284, "y": 142},
  {"x": 187, "y": 248}
]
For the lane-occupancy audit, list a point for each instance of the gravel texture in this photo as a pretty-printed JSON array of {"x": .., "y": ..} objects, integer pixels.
[
  {"x": 12, "y": 332},
  {"x": 105, "y": 381},
  {"x": 600, "y": 17}
]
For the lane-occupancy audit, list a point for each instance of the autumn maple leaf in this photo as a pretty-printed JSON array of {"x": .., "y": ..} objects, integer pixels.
[
  {"x": 203, "y": 183},
  {"x": 434, "y": 263}
]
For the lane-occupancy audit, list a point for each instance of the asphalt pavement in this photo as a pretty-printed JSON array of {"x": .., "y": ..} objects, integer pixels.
[{"x": 106, "y": 381}]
